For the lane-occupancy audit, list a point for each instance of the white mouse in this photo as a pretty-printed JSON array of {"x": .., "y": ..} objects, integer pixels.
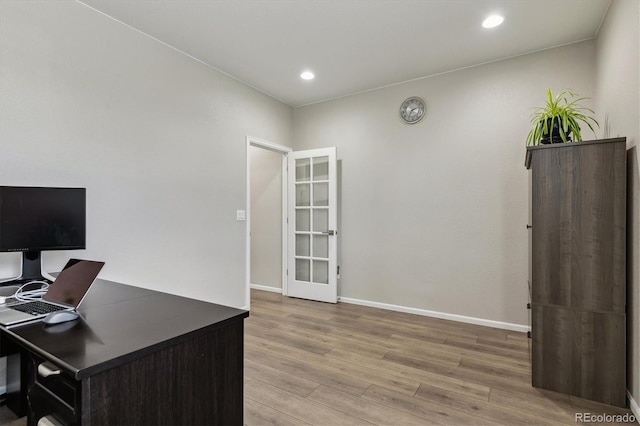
[{"x": 60, "y": 316}]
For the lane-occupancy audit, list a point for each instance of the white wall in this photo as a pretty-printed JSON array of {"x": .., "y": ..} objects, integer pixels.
[
  {"x": 434, "y": 214},
  {"x": 618, "y": 74},
  {"x": 266, "y": 217},
  {"x": 157, "y": 138}
]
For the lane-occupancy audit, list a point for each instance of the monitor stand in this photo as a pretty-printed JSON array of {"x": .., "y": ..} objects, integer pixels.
[{"x": 31, "y": 270}]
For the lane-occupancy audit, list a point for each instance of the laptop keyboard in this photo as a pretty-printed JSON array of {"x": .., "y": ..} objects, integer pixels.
[{"x": 37, "y": 308}]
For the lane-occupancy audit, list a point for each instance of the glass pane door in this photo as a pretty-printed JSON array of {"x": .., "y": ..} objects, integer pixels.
[
  {"x": 312, "y": 205},
  {"x": 312, "y": 209}
]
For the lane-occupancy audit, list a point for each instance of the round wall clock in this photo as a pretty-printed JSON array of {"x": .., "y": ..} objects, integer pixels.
[{"x": 412, "y": 110}]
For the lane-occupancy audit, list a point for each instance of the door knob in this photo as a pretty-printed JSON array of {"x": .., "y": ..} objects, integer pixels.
[{"x": 330, "y": 232}]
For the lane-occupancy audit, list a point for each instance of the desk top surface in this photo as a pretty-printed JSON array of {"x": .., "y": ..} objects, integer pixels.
[{"x": 121, "y": 323}]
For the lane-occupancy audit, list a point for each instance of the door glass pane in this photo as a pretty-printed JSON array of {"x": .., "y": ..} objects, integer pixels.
[
  {"x": 321, "y": 246},
  {"x": 320, "y": 220},
  {"x": 302, "y": 220},
  {"x": 321, "y": 271},
  {"x": 303, "y": 170},
  {"x": 303, "y": 194},
  {"x": 321, "y": 168},
  {"x": 302, "y": 245},
  {"x": 302, "y": 270},
  {"x": 320, "y": 194}
]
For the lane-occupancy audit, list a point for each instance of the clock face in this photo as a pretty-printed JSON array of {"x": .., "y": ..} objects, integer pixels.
[{"x": 412, "y": 110}]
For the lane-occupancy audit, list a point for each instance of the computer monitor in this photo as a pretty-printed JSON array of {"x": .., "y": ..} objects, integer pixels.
[{"x": 37, "y": 219}]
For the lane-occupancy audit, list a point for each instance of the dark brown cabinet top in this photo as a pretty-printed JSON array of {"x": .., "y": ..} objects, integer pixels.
[
  {"x": 121, "y": 323},
  {"x": 531, "y": 149}
]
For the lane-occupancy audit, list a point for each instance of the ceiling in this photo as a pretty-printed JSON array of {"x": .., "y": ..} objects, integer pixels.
[{"x": 352, "y": 45}]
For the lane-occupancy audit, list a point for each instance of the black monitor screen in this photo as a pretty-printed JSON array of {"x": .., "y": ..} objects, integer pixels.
[{"x": 35, "y": 218}]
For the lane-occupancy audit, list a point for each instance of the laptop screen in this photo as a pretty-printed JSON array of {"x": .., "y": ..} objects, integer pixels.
[{"x": 73, "y": 282}]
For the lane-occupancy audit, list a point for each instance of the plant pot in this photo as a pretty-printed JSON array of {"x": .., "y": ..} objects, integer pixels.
[{"x": 555, "y": 136}]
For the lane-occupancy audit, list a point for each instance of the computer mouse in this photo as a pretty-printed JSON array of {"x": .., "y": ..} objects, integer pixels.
[{"x": 60, "y": 316}]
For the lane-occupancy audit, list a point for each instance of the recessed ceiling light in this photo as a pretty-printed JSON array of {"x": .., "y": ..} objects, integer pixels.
[
  {"x": 307, "y": 75},
  {"x": 492, "y": 21}
]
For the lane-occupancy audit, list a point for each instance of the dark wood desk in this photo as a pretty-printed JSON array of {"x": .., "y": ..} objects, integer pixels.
[{"x": 137, "y": 357}]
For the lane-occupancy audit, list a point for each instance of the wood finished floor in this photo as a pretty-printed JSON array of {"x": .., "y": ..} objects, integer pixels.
[{"x": 323, "y": 364}]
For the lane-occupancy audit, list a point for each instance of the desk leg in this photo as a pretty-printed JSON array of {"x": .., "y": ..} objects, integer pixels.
[{"x": 16, "y": 377}]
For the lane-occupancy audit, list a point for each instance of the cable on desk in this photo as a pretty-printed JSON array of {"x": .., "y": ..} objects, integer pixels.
[{"x": 29, "y": 295}]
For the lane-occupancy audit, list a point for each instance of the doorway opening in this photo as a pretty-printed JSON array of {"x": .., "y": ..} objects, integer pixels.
[{"x": 266, "y": 217}]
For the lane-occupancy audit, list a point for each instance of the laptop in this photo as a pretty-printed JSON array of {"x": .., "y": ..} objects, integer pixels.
[{"x": 64, "y": 294}]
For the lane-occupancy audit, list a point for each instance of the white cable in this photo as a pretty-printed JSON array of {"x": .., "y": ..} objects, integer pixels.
[{"x": 30, "y": 295}]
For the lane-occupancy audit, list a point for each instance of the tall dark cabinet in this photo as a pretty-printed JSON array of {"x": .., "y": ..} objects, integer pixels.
[{"x": 578, "y": 282}]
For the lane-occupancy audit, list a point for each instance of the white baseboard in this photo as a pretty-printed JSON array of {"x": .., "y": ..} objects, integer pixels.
[
  {"x": 441, "y": 315},
  {"x": 635, "y": 408},
  {"x": 266, "y": 288},
  {"x": 434, "y": 314}
]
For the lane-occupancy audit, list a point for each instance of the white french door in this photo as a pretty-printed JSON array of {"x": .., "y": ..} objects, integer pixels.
[{"x": 312, "y": 223}]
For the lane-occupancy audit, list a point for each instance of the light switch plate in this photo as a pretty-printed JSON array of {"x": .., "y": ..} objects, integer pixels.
[{"x": 240, "y": 215}]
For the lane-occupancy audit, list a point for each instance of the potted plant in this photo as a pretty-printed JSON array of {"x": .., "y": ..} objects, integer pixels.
[{"x": 558, "y": 119}]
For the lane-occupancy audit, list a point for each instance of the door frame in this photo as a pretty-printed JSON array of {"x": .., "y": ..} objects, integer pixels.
[{"x": 284, "y": 150}]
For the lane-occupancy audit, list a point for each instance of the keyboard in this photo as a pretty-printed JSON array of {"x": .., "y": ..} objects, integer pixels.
[{"x": 36, "y": 308}]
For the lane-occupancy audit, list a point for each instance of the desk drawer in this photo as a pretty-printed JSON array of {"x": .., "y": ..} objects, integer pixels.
[{"x": 52, "y": 392}]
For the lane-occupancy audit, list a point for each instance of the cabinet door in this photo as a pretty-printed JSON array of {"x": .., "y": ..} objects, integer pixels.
[
  {"x": 579, "y": 353},
  {"x": 578, "y": 235},
  {"x": 552, "y": 177},
  {"x": 598, "y": 224}
]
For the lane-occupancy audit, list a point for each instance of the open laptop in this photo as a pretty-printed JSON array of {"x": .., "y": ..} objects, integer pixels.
[{"x": 64, "y": 294}]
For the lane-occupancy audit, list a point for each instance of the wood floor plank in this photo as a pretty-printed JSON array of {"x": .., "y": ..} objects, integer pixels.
[
  {"x": 519, "y": 339},
  {"x": 354, "y": 336},
  {"x": 432, "y": 412},
  {"x": 297, "y": 341},
  {"x": 505, "y": 371},
  {"x": 363, "y": 408},
  {"x": 434, "y": 352},
  {"x": 416, "y": 331},
  {"x": 414, "y": 347},
  {"x": 352, "y": 340},
  {"x": 455, "y": 385},
  {"x": 514, "y": 354},
  {"x": 355, "y": 344},
  {"x": 265, "y": 344},
  {"x": 278, "y": 378},
  {"x": 499, "y": 413},
  {"x": 268, "y": 311},
  {"x": 308, "y": 322},
  {"x": 310, "y": 311},
  {"x": 259, "y": 414},
  {"x": 428, "y": 331},
  {"x": 320, "y": 363},
  {"x": 511, "y": 344},
  {"x": 422, "y": 363},
  {"x": 375, "y": 376},
  {"x": 364, "y": 327},
  {"x": 365, "y": 374},
  {"x": 535, "y": 405},
  {"x": 312, "y": 370},
  {"x": 297, "y": 407}
]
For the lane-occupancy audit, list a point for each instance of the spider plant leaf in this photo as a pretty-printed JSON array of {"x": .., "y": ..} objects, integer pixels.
[{"x": 565, "y": 111}]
